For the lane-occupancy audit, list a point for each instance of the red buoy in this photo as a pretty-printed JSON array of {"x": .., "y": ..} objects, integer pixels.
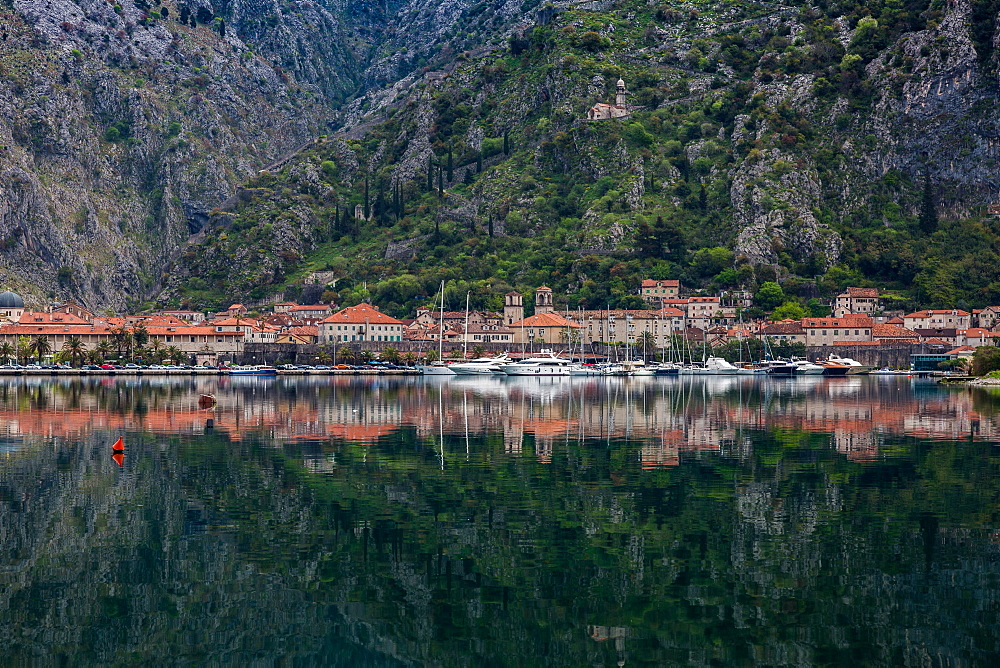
[
  {"x": 119, "y": 458},
  {"x": 118, "y": 445}
]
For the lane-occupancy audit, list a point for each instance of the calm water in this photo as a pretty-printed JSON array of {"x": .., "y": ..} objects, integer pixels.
[{"x": 480, "y": 522}]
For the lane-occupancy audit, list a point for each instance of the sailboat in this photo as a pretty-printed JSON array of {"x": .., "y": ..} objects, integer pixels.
[{"x": 438, "y": 367}]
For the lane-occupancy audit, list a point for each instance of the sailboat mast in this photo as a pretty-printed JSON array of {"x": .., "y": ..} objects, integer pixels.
[
  {"x": 465, "y": 338},
  {"x": 441, "y": 326}
]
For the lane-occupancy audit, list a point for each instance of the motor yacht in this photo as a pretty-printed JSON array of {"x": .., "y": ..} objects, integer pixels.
[
  {"x": 720, "y": 366},
  {"x": 481, "y": 366},
  {"x": 546, "y": 364},
  {"x": 807, "y": 368},
  {"x": 855, "y": 366}
]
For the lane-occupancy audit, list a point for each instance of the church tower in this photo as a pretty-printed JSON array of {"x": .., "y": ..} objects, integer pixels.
[
  {"x": 620, "y": 93},
  {"x": 513, "y": 308},
  {"x": 543, "y": 300}
]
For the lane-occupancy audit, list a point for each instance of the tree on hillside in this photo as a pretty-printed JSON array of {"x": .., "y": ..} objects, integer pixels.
[
  {"x": 928, "y": 212},
  {"x": 367, "y": 209},
  {"x": 7, "y": 351},
  {"x": 790, "y": 310},
  {"x": 769, "y": 296}
]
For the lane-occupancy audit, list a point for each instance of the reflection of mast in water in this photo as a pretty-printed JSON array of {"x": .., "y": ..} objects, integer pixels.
[
  {"x": 441, "y": 422},
  {"x": 465, "y": 410}
]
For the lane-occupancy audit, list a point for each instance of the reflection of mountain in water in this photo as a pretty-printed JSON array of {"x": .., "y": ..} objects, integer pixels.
[{"x": 761, "y": 546}]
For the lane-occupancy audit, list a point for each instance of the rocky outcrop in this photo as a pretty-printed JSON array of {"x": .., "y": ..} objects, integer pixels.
[{"x": 773, "y": 201}]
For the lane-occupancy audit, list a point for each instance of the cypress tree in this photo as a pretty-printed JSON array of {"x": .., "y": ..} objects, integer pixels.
[
  {"x": 506, "y": 144},
  {"x": 490, "y": 228},
  {"x": 479, "y": 161},
  {"x": 395, "y": 200},
  {"x": 380, "y": 211},
  {"x": 468, "y": 177},
  {"x": 368, "y": 212},
  {"x": 336, "y": 217},
  {"x": 928, "y": 212},
  {"x": 451, "y": 174},
  {"x": 222, "y": 28},
  {"x": 430, "y": 172},
  {"x": 703, "y": 198},
  {"x": 440, "y": 182}
]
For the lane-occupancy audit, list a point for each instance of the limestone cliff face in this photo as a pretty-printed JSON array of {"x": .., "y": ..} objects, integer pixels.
[
  {"x": 773, "y": 200},
  {"x": 120, "y": 136}
]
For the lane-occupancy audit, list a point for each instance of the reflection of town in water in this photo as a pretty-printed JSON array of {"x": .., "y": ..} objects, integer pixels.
[{"x": 667, "y": 417}]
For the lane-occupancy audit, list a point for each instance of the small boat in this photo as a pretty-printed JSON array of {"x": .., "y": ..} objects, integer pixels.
[
  {"x": 436, "y": 368},
  {"x": 253, "y": 371},
  {"x": 586, "y": 370},
  {"x": 207, "y": 401}
]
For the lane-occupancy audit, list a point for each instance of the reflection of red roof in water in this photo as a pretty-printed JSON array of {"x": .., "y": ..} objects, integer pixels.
[{"x": 362, "y": 433}]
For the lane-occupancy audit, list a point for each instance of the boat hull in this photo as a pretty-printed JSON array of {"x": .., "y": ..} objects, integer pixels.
[{"x": 435, "y": 371}]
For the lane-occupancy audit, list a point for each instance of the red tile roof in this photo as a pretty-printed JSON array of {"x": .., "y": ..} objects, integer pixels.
[
  {"x": 544, "y": 320},
  {"x": 863, "y": 292},
  {"x": 361, "y": 314},
  {"x": 651, "y": 283},
  {"x": 888, "y": 331},
  {"x": 42, "y": 318}
]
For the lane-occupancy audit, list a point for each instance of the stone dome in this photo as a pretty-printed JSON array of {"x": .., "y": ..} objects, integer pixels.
[
  {"x": 11, "y": 300},
  {"x": 621, "y": 83}
]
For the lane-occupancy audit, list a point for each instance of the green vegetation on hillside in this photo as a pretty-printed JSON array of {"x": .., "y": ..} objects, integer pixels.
[{"x": 519, "y": 190}]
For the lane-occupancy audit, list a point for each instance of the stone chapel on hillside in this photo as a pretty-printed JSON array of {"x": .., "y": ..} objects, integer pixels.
[{"x": 603, "y": 112}]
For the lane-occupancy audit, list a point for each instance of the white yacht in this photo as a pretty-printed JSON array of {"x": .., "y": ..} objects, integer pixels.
[
  {"x": 546, "y": 364},
  {"x": 584, "y": 370},
  {"x": 481, "y": 366},
  {"x": 720, "y": 366},
  {"x": 856, "y": 366},
  {"x": 806, "y": 368},
  {"x": 437, "y": 368}
]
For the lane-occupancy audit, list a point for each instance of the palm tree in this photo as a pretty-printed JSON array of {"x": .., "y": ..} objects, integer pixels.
[
  {"x": 389, "y": 354},
  {"x": 176, "y": 355},
  {"x": 478, "y": 350},
  {"x": 41, "y": 346},
  {"x": 323, "y": 357},
  {"x": 104, "y": 348},
  {"x": 155, "y": 351},
  {"x": 409, "y": 358},
  {"x": 7, "y": 351},
  {"x": 431, "y": 356},
  {"x": 94, "y": 356},
  {"x": 346, "y": 354},
  {"x": 75, "y": 348},
  {"x": 24, "y": 349},
  {"x": 647, "y": 342},
  {"x": 122, "y": 339}
]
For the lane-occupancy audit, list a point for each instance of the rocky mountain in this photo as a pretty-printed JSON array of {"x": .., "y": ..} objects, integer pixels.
[
  {"x": 817, "y": 144},
  {"x": 125, "y": 123},
  {"x": 814, "y": 144}
]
